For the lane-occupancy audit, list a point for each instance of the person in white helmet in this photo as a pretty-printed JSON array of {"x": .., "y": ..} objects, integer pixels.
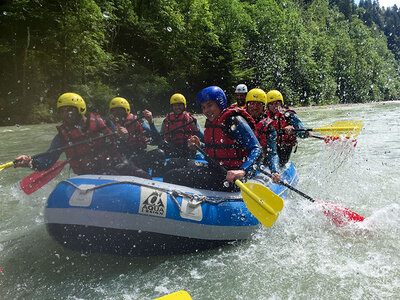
[{"x": 240, "y": 92}]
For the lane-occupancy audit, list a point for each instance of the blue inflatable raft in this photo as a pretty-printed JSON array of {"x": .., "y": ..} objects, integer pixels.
[{"x": 133, "y": 216}]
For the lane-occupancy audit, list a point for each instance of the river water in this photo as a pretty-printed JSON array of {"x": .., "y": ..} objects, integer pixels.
[{"x": 302, "y": 256}]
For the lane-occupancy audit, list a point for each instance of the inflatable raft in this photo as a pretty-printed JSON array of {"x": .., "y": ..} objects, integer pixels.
[{"x": 128, "y": 215}]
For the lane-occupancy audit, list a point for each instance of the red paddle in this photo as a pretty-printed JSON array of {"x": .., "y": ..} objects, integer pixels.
[
  {"x": 336, "y": 212},
  {"x": 36, "y": 180}
]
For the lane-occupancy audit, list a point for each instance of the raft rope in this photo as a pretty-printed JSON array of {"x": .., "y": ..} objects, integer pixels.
[{"x": 194, "y": 199}]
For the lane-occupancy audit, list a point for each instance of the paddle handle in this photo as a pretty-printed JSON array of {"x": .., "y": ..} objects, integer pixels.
[
  {"x": 211, "y": 160},
  {"x": 6, "y": 165},
  {"x": 288, "y": 186}
]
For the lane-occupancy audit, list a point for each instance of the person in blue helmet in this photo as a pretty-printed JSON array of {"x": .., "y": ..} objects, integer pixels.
[{"x": 229, "y": 141}]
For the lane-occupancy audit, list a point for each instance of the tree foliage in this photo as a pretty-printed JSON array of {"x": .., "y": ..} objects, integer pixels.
[{"x": 315, "y": 52}]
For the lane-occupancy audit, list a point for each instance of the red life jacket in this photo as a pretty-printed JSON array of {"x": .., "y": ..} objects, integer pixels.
[
  {"x": 179, "y": 136},
  {"x": 279, "y": 121},
  {"x": 137, "y": 138},
  {"x": 89, "y": 158},
  {"x": 220, "y": 143},
  {"x": 262, "y": 131}
]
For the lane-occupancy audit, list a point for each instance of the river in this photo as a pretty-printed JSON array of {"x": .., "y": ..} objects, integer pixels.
[{"x": 303, "y": 256}]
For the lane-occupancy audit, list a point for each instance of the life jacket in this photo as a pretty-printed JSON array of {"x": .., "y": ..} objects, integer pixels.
[
  {"x": 279, "y": 121},
  {"x": 180, "y": 136},
  {"x": 137, "y": 139},
  {"x": 94, "y": 157},
  {"x": 220, "y": 143},
  {"x": 262, "y": 131}
]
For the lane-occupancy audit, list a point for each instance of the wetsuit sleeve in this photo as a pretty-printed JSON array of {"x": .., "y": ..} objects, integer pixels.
[
  {"x": 271, "y": 153},
  {"x": 45, "y": 162},
  {"x": 151, "y": 131},
  {"x": 200, "y": 132},
  {"x": 110, "y": 124},
  {"x": 245, "y": 136},
  {"x": 295, "y": 121}
]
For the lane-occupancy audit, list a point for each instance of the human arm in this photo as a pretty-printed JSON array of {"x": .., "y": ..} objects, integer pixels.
[
  {"x": 295, "y": 123},
  {"x": 271, "y": 154},
  {"x": 43, "y": 162},
  {"x": 245, "y": 136},
  {"x": 199, "y": 133},
  {"x": 151, "y": 131}
]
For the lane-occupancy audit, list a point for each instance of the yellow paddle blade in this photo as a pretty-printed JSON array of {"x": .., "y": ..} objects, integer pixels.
[
  {"x": 264, "y": 204},
  {"x": 342, "y": 129},
  {"x": 180, "y": 295},
  {"x": 7, "y": 165}
]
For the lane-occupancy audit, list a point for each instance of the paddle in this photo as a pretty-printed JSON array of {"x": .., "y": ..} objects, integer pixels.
[
  {"x": 339, "y": 214},
  {"x": 260, "y": 201},
  {"x": 6, "y": 165},
  {"x": 36, "y": 180},
  {"x": 60, "y": 149},
  {"x": 180, "y": 295},
  {"x": 179, "y": 127},
  {"x": 339, "y": 129}
]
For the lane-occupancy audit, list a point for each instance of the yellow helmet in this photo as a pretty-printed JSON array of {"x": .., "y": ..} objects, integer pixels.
[
  {"x": 72, "y": 99},
  {"x": 256, "y": 95},
  {"x": 120, "y": 102},
  {"x": 273, "y": 96},
  {"x": 177, "y": 98}
]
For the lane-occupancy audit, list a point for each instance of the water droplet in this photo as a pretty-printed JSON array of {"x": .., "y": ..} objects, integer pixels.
[
  {"x": 226, "y": 184},
  {"x": 106, "y": 14},
  {"x": 169, "y": 29},
  {"x": 74, "y": 51},
  {"x": 5, "y": 13},
  {"x": 132, "y": 64}
]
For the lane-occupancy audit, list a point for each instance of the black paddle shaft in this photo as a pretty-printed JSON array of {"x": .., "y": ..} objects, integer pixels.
[
  {"x": 288, "y": 186},
  {"x": 179, "y": 127},
  {"x": 211, "y": 160},
  {"x": 61, "y": 149}
]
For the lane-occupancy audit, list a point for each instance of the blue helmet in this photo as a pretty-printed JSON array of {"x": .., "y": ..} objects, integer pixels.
[{"x": 212, "y": 93}]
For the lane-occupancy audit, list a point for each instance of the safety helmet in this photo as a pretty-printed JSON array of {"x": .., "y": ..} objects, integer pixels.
[
  {"x": 177, "y": 98},
  {"x": 212, "y": 93},
  {"x": 274, "y": 95},
  {"x": 241, "y": 89},
  {"x": 256, "y": 95},
  {"x": 72, "y": 99},
  {"x": 120, "y": 102}
]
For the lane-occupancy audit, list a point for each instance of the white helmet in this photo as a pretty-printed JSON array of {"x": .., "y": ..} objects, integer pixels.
[{"x": 241, "y": 89}]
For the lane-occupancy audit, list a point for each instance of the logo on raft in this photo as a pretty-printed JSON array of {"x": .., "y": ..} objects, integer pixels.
[{"x": 152, "y": 202}]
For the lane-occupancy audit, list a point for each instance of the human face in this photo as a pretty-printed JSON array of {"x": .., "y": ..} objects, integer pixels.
[
  {"x": 211, "y": 110},
  {"x": 70, "y": 115},
  {"x": 241, "y": 99},
  {"x": 118, "y": 112},
  {"x": 255, "y": 108},
  {"x": 275, "y": 106},
  {"x": 178, "y": 108}
]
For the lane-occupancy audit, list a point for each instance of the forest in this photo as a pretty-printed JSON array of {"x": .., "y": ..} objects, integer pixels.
[{"x": 315, "y": 52}]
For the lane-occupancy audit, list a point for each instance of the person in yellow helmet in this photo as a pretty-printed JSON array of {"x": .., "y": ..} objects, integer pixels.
[
  {"x": 87, "y": 157},
  {"x": 265, "y": 132},
  {"x": 134, "y": 141},
  {"x": 284, "y": 121},
  {"x": 174, "y": 134}
]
